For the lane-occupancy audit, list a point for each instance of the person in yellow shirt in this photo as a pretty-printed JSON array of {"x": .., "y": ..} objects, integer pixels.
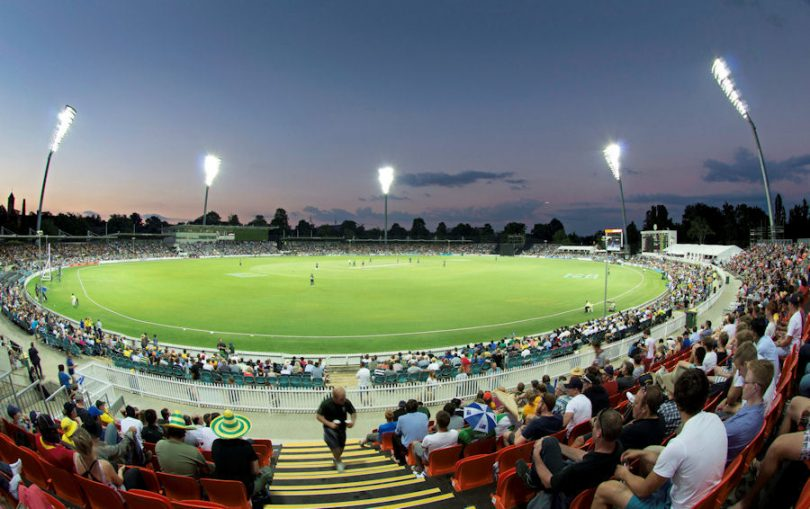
[
  {"x": 105, "y": 416},
  {"x": 530, "y": 408},
  {"x": 69, "y": 427}
]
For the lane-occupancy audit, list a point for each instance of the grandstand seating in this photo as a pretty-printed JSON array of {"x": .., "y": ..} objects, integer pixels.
[
  {"x": 228, "y": 493},
  {"x": 141, "y": 499},
  {"x": 473, "y": 471}
]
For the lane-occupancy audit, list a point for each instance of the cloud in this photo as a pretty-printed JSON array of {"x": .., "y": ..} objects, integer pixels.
[
  {"x": 745, "y": 168},
  {"x": 465, "y": 178},
  {"x": 683, "y": 200}
]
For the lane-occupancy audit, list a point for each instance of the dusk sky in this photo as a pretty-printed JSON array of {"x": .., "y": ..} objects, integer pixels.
[{"x": 489, "y": 111}]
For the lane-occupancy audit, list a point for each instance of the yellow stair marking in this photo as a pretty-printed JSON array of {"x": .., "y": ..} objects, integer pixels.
[
  {"x": 348, "y": 473},
  {"x": 367, "y": 501},
  {"x": 316, "y": 444},
  {"x": 326, "y": 455},
  {"x": 356, "y": 489},
  {"x": 313, "y": 464},
  {"x": 310, "y": 487},
  {"x": 420, "y": 502}
]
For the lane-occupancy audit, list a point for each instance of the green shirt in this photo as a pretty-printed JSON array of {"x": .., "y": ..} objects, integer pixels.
[{"x": 179, "y": 458}]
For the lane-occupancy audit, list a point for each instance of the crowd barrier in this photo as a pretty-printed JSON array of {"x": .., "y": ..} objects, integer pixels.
[{"x": 294, "y": 400}]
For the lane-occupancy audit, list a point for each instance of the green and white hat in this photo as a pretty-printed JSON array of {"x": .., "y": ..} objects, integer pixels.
[
  {"x": 176, "y": 420},
  {"x": 229, "y": 425}
]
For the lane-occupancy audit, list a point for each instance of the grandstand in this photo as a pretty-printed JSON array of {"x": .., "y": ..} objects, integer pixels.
[{"x": 458, "y": 476}]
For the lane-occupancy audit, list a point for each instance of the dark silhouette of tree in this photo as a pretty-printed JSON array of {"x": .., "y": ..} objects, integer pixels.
[
  {"x": 658, "y": 215},
  {"x": 281, "y": 221},
  {"x": 419, "y": 229},
  {"x": 633, "y": 237},
  {"x": 441, "y": 231},
  {"x": 233, "y": 220},
  {"x": 699, "y": 229},
  {"x": 259, "y": 220},
  {"x": 779, "y": 214}
]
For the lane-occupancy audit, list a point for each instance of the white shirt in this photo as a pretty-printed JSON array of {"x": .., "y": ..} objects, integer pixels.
[
  {"x": 730, "y": 329},
  {"x": 580, "y": 406},
  {"x": 794, "y": 328},
  {"x": 694, "y": 460},
  {"x": 206, "y": 437},
  {"x": 709, "y": 362},
  {"x": 363, "y": 377},
  {"x": 650, "y": 342},
  {"x": 439, "y": 440},
  {"x": 129, "y": 422},
  {"x": 766, "y": 351}
]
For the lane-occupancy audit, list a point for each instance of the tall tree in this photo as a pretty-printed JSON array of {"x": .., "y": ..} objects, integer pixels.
[
  {"x": 779, "y": 215},
  {"x": 137, "y": 221},
  {"x": 419, "y": 229},
  {"x": 633, "y": 237},
  {"x": 304, "y": 228},
  {"x": 233, "y": 220},
  {"x": 348, "y": 229},
  {"x": 658, "y": 215},
  {"x": 259, "y": 220},
  {"x": 798, "y": 226},
  {"x": 441, "y": 231},
  {"x": 397, "y": 232},
  {"x": 281, "y": 221},
  {"x": 699, "y": 229}
]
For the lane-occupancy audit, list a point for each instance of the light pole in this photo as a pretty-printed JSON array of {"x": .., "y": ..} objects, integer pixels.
[
  {"x": 211, "y": 167},
  {"x": 386, "y": 176},
  {"x": 722, "y": 75},
  {"x": 613, "y": 154},
  {"x": 65, "y": 120}
]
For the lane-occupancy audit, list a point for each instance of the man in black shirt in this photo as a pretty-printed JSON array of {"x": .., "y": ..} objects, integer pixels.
[
  {"x": 564, "y": 472},
  {"x": 625, "y": 378},
  {"x": 33, "y": 357},
  {"x": 543, "y": 424},
  {"x": 333, "y": 414},
  {"x": 646, "y": 428},
  {"x": 593, "y": 390},
  {"x": 235, "y": 459}
]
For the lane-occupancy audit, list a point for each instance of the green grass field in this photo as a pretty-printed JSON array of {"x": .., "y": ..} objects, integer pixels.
[{"x": 268, "y": 304}]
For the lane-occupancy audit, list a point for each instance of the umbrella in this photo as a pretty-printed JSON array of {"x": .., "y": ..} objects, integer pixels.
[{"x": 479, "y": 417}]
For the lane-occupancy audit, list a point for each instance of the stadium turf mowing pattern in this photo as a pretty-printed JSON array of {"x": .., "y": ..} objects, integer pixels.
[{"x": 355, "y": 304}]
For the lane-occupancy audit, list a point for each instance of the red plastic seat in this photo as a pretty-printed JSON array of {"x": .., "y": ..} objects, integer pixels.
[
  {"x": 228, "y": 493},
  {"x": 443, "y": 461},
  {"x": 410, "y": 458},
  {"x": 264, "y": 452},
  {"x": 34, "y": 469},
  {"x": 141, "y": 499},
  {"x": 583, "y": 500},
  {"x": 66, "y": 487},
  {"x": 804, "y": 498},
  {"x": 583, "y": 428},
  {"x": 55, "y": 502},
  {"x": 712, "y": 403},
  {"x": 8, "y": 449},
  {"x": 149, "y": 478},
  {"x": 473, "y": 471},
  {"x": 179, "y": 487},
  {"x": 99, "y": 496},
  {"x": 208, "y": 455},
  {"x": 482, "y": 446},
  {"x": 560, "y": 435},
  {"x": 508, "y": 456},
  {"x": 196, "y": 504},
  {"x": 511, "y": 491},
  {"x": 387, "y": 442}
]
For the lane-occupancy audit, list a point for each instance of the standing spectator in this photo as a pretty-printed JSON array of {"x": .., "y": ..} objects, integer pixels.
[
  {"x": 649, "y": 344},
  {"x": 64, "y": 378},
  {"x": 363, "y": 376},
  {"x": 689, "y": 467},
  {"x": 33, "y": 358},
  {"x": 174, "y": 454},
  {"x": 336, "y": 414},
  {"x": 235, "y": 458}
]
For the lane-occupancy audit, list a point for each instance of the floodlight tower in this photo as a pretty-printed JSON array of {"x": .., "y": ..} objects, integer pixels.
[
  {"x": 211, "y": 167},
  {"x": 65, "y": 120},
  {"x": 386, "y": 177},
  {"x": 722, "y": 75},
  {"x": 613, "y": 154}
]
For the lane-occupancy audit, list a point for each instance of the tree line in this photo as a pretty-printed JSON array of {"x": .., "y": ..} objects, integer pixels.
[{"x": 700, "y": 223}]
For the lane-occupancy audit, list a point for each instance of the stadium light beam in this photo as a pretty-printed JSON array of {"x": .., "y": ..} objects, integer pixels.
[
  {"x": 613, "y": 155},
  {"x": 386, "y": 177},
  {"x": 211, "y": 167},
  {"x": 722, "y": 75},
  {"x": 65, "y": 117}
]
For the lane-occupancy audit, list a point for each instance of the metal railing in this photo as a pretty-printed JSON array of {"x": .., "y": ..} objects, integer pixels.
[{"x": 296, "y": 400}]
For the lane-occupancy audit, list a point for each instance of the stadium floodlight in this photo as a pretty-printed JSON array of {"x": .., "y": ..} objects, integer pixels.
[
  {"x": 211, "y": 167},
  {"x": 613, "y": 154},
  {"x": 722, "y": 74},
  {"x": 386, "y": 177},
  {"x": 65, "y": 117}
]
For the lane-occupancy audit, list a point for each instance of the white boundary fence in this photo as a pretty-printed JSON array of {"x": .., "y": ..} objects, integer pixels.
[{"x": 274, "y": 399}]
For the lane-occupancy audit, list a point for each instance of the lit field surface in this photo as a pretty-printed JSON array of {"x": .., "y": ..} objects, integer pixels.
[{"x": 388, "y": 303}]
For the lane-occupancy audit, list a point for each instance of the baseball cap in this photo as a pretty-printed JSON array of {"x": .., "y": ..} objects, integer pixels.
[
  {"x": 574, "y": 383},
  {"x": 95, "y": 411}
]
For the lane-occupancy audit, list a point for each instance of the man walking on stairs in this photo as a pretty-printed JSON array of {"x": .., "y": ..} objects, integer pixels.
[{"x": 336, "y": 414}]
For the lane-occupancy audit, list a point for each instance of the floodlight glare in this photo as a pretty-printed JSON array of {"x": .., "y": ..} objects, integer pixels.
[
  {"x": 386, "y": 176},
  {"x": 722, "y": 74},
  {"x": 211, "y": 168},
  {"x": 65, "y": 119},
  {"x": 613, "y": 153}
]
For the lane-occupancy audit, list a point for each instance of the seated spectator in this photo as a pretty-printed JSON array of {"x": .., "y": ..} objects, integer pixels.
[
  {"x": 625, "y": 380},
  {"x": 175, "y": 455},
  {"x": 743, "y": 426},
  {"x": 442, "y": 438},
  {"x": 389, "y": 426},
  {"x": 593, "y": 390},
  {"x": 559, "y": 480},
  {"x": 682, "y": 473},
  {"x": 86, "y": 463},
  {"x": 69, "y": 428},
  {"x": 745, "y": 353},
  {"x": 131, "y": 420},
  {"x": 206, "y": 435},
  {"x": 456, "y": 420},
  {"x": 608, "y": 382},
  {"x": 235, "y": 458},
  {"x": 106, "y": 418},
  {"x": 50, "y": 445},
  {"x": 578, "y": 410},
  {"x": 646, "y": 428},
  {"x": 17, "y": 418},
  {"x": 413, "y": 426},
  {"x": 544, "y": 424},
  {"x": 12, "y": 485},
  {"x": 151, "y": 432}
]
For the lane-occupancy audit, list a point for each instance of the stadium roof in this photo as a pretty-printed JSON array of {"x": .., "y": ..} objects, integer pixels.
[{"x": 704, "y": 251}]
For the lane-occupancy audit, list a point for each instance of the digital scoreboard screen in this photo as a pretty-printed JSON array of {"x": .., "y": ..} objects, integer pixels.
[{"x": 614, "y": 239}]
